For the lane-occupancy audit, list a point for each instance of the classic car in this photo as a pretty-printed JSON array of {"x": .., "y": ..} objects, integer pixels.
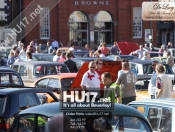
[
  {"x": 119, "y": 120},
  {"x": 31, "y": 70},
  {"x": 128, "y": 57},
  {"x": 14, "y": 100},
  {"x": 161, "y": 59},
  {"x": 159, "y": 112},
  {"x": 144, "y": 69},
  {"x": 55, "y": 83},
  {"x": 10, "y": 78},
  {"x": 6, "y": 49},
  {"x": 39, "y": 57},
  {"x": 81, "y": 61}
]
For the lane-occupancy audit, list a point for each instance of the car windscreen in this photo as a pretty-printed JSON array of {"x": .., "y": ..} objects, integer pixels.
[
  {"x": 67, "y": 82},
  {"x": 50, "y": 69},
  {"x": 42, "y": 57},
  {"x": 2, "y": 103},
  {"x": 155, "y": 54}
]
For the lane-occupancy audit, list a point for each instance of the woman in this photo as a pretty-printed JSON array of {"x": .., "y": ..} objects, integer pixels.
[
  {"x": 163, "y": 83},
  {"x": 62, "y": 58},
  {"x": 104, "y": 49},
  {"x": 29, "y": 56},
  {"x": 37, "y": 49}
]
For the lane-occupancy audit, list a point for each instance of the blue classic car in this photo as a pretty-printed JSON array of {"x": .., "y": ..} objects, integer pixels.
[{"x": 159, "y": 112}]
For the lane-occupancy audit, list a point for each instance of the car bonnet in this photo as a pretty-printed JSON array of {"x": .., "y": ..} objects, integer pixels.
[
  {"x": 127, "y": 47},
  {"x": 108, "y": 66}
]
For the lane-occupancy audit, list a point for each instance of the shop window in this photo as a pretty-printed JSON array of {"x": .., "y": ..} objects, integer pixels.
[
  {"x": 137, "y": 22},
  {"x": 45, "y": 24}
]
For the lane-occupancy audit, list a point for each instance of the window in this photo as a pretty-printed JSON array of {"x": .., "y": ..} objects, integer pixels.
[
  {"x": 2, "y": 103},
  {"x": 51, "y": 69},
  {"x": 154, "y": 117},
  {"x": 27, "y": 100},
  {"x": 45, "y": 24},
  {"x": 129, "y": 124},
  {"x": 137, "y": 22},
  {"x": 53, "y": 83},
  {"x": 10, "y": 78},
  {"x": 23, "y": 70},
  {"x": 141, "y": 109},
  {"x": 46, "y": 98},
  {"x": 66, "y": 83},
  {"x": 26, "y": 123},
  {"x": 15, "y": 68},
  {"x": 42, "y": 83},
  {"x": 41, "y": 122}
]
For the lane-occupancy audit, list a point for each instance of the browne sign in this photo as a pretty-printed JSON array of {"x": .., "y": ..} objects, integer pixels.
[{"x": 157, "y": 11}]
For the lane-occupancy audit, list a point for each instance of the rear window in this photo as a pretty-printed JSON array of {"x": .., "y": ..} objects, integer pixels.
[
  {"x": 10, "y": 79},
  {"x": 2, "y": 103},
  {"x": 155, "y": 55},
  {"x": 43, "y": 58},
  {"x": 50, "y": 70},
  {"x": 66, "y": 83}
]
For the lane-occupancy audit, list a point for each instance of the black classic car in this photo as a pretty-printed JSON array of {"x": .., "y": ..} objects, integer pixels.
[{"x": 14, "y": 100}]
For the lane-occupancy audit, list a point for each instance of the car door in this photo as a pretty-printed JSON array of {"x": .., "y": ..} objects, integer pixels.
[{"x": 30, "y": 123}]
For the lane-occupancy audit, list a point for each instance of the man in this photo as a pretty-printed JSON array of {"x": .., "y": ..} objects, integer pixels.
[
  {"x": 114, "y": 49},
  {"x": 55, "y": 44},
  {"x": 165, "y": 51},
  {"x": 30, "y": 47},
  {"x": 170, "y": 45},
  {"x": 163, "y": 83},
  {"x": 57, "y": 56},
  {"x": 49, "y": 48},
  {"x": 170, "y": 59},
  {"x": 90, "y": 78},
  {"x": 70, "y": 63},
  {"x": 72, "y": 47},
  {"x": 107, "y": 81},
  {"x": 100, "y": 54},
  {"x": 17, "y": 58},
  {"x": 152, "y": 83},
  {"x": 147, "y": 47},
  {"x": 127, "y": 81},
  {"x": 146, "y": 56},
  {"x": 139, "y": 52}
]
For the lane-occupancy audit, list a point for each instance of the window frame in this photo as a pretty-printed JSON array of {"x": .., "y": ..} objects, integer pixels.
[
  {"x": 133, "y": 27},
  {"x": 42, "y": 80},
  {"x": 43, "y": 20}
]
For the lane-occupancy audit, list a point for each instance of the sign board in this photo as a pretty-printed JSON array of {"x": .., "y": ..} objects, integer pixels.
[{"x": 147, "y": 34}]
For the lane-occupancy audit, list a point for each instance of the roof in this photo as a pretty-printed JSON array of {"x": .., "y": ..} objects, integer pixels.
[
  {"x": 6, "y": 70},
  {"x": 39, "y": 63},
  {"x": 37, "y": 54},
  {"x": 62, "y": 75},
  {"x": 5, "y": 91},
  {"x": 52, "y": 109},
  {"x": 86, "y": 59},
  {"x": 141, "y": 61},
  {"x": 169, "y": 102}
]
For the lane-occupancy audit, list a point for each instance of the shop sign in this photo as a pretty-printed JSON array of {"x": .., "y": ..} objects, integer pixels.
[{"x": 91, "y": 2}]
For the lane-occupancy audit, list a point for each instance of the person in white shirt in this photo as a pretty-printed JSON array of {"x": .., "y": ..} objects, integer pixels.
[
  {"x": 23, "y": 51},
  {"x": 100, "y": 54},
  {"x": 90, "y": 78},
  {"x": 139, "y": 52},
  {"x": 152, "y": 83},
  {"x": 29, "y": 56},
  {"x": 57, "y": 56},
  {"x": 72, "y": 47},
  {"x": 17, "y": 58},
  {"x": 165, "y": 51},
  {"x": 55, "y": 44},
  {"x": 146, "y": 56}
]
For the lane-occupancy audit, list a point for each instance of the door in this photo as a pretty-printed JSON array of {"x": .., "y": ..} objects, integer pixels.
[{"x": 81, "y": 38}]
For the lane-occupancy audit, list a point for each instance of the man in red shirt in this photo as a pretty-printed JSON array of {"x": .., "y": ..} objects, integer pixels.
[{"x": 99, "y": 65}]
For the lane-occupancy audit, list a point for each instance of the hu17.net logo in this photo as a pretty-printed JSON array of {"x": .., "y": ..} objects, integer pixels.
[{"x": 92, "y": 99}]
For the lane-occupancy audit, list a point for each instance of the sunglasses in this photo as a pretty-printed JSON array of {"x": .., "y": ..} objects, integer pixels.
[
  {"x": 92, "y": 67},
  {"x": 100, "y": 63}
]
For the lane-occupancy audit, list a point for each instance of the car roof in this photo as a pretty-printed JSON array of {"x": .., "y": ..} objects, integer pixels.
[
  {"x": 38, "y": 54},
  {"x": 141, "y": 61},
  {"x": 6, "y": 91},
  {"x": 86, "y": 59},
  {"x": 39, "y": 63},
  {"x": 6, "y": 70},
  {"x": 62, "y": 75},
  {"x": 52, "y": 109},
  {"x": 169, "y": 102}
]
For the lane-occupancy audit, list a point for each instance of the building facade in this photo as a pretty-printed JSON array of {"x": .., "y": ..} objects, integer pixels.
[{"x": 92, "y": 22}]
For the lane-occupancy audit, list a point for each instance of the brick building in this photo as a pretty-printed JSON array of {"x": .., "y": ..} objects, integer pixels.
[{"x": 92, "y": 22}]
